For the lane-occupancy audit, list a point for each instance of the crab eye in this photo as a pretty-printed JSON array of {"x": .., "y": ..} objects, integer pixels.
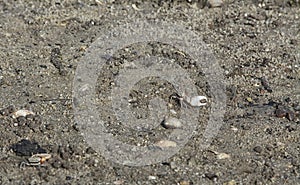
[
  {"x": 203, "y": 101},
  {"x": 198, "y": 101},
  {"x": 43, "y": 159}
]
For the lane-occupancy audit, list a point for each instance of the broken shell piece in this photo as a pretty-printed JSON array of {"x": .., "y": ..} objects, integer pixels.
[
  {"x": 198, "y": 101},
  {"x": 171, "y": 123},
  {"x": 172, "y": 111},
  {"x": 23, "y": 113},
  {"x": 233, "y": 128},
  {"x": 165, "y": 144},
  {"x": 221, "y": 155}
]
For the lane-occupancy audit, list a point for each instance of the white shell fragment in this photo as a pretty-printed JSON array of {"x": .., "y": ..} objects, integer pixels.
[
  {"x": 171, "y": 123},
  {"x": 151, "y": 177},
  {"x": 165, "y": 144},
  {"x": 198, "y": 101},
  {"x": 234, "y": 128},
  {"x": 221, "y": 155},
  {"x": 22, "y": 112},
  {"x": 172, "y": 111}
]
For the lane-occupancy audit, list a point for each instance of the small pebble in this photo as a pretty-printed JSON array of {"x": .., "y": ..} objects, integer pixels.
[
  {"x": 57, "y": 163},
  {"x": 249, "y": 99},
  {"x": 21, "y": 120},
  {"x": 258, "y": 149},
  {"x": 172, "y": 111},
  {"x": 68, "y": 178},
  {"x": 165, "y": 144},
  {"x": 282, "y": 112},
  {"x": 173, "y": 165},
  {"x": 118, "y": 182},
  {"x": 151, "y": 177},
  {"x": 234, "y": 128},
  {"x": 215, "y": 3},
  {"x": 171, "y": 123},
  {"x": 297, "y": 107},
  {"x": 232, "y": 182},
  {"x": 184, "y": 183},
  {"x": 223, "y": 156}
]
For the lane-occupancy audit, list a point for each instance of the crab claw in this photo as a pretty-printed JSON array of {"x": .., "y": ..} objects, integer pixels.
[{"x": 198, "y": 101}]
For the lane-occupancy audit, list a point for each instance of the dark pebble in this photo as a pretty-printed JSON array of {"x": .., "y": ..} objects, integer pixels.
[
  {"x": 90, "y": 150},
  {"x": 211, "y": 176},
  {"x": 293, "y": 41},
  {"x": 258, "y": 149},
  {"x": 56, "y": 163},
  {"x": 76, "y": 128},
  {"x": 68, "y": 178},
  {"x": 65, "y": 165},
  {"x": 297, "y": 107}
]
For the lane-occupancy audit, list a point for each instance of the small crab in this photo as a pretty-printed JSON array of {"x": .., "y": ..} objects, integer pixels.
[
  {"x": 186, "y": 101},
  {"x": 36, "y": 160}
]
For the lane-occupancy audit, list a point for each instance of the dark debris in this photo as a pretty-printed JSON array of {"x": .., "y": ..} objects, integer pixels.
[
  {"x": 56, "y": 60},
  {"x": 27, "y": 148},
  {"x": 282, "y": 112}
]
